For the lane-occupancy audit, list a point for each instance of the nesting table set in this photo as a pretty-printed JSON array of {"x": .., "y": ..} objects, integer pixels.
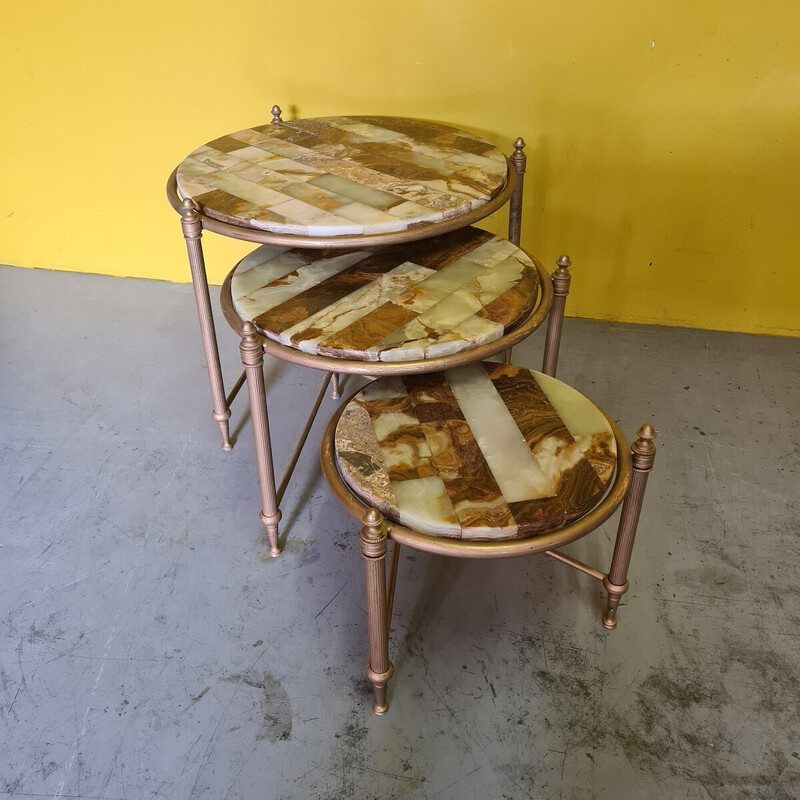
[{"x": 368, "y": 265}]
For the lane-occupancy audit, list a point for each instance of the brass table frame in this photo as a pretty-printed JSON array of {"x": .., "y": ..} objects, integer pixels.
[
  {"x": 194, "y": 222},
  {"x": 634, "y": 464}
]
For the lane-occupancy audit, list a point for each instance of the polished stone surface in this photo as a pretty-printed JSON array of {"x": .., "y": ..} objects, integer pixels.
[
  {"x": 396, "y": 303},
  {"x": 483, "y": 451},
  {"x": 336, "y": 176}
]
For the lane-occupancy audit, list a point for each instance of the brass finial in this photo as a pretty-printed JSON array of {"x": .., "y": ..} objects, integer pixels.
[
  {"x": 644, "y": 451},
  {"x": 276, "y": 114},
  {"x": 373, "y": 518},
  {"x": 373, "y": 526},
  {"x": 188, "y": 207},
  {"x": 190, "y": 220},
  {"x": 249, "y": 338},
  {"x": 561, "y": 277},
  {"x": 518, "y": 158},
  {"x": 647, "y": 431},
  {"x": 373, "y": 535}
]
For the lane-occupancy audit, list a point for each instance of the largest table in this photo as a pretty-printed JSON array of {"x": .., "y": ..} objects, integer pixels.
[{"x": 358, "y": 185}]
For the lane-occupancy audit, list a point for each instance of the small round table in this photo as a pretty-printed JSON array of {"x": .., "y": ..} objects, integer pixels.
[{"x": 483, "y": 461}]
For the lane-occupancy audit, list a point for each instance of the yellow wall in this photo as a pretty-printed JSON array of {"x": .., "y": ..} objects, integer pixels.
[{"x": 664, "y": 137}]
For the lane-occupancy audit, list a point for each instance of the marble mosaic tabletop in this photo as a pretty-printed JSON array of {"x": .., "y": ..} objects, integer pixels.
[
  {"x": 403, "y": 302},
  {"x": 484, "y": 451},
  {"x": 337, "y": 176}
]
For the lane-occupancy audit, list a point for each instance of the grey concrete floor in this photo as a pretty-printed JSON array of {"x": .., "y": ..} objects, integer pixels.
[{"x": 150, "y": 647}]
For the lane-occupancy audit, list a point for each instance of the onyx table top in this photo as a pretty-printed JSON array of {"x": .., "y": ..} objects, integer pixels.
[
  {"x": 485, "y": 451},
  {"x": 405, "y": 302},
  {"x": 338, "y": 176}
]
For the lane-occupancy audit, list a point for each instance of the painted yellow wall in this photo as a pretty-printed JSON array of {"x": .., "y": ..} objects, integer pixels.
[{"x": 664, "y": 137}]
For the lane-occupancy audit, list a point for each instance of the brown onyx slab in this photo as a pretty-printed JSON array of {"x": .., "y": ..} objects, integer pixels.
[
  {"x": 465, "y": 144},
  {"x": 432, "y": 398},
  {"x": 440, "y": 251},
  {"x": 225, "y": 144},
  {"x": 535, "y": 417},
  {"x": 404, "y": 447},
  {"x": 323, "y": 294},
  {"x": 471, "y": 487},
  {"x": 601, "y": 456},
  {"x": 352, "y": 341},
  {"x": 316, "y": 196},
  {"x": 415, "y": 129},
  {"x": 538, "y": 516},
  {"x": 578, "y": 489},
  {"x": 225, "y": 205},
  {"x": 514, "y": 305}
]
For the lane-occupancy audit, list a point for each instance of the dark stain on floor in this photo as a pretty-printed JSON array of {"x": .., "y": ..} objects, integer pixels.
[
  {"x": 679, "y": 718},
  {"x": 275, "y": 708}
]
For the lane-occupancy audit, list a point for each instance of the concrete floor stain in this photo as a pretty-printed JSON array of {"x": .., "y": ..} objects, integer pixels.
[{"x": 275, "y": 708}]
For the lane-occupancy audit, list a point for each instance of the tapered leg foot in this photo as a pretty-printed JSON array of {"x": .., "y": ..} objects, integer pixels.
[
  {"x": 271, "y": 524},
  {"x": 379, "y": 680},
  {"x": 224, "y": 428},
  {"x": 615, "y": 593}
]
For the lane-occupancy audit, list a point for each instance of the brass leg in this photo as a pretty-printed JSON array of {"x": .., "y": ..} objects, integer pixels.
[
  {"x": 298, "y": 448},
  {"x": 253, "y": 360},
  {"x": 192, "y": 232},
  {"x": 373, "y": 550},
  {"x": 561, "y": 279},
  {"x": 335, "y": 394},
  {"x": 519, "y": 160},
  {"x": 616, "y": 582},
  {"x": 393, "y": 564}
]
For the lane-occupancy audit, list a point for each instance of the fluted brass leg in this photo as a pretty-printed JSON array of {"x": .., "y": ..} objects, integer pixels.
[
  {"x": 561, "y": 280},
  {"x": 253, "y": 360},
  {"x": 616, "y": 582},
  {"x": 519, "y": 160},
  {"x": 393, "y": 564},
  {"x": 373, "y": 550},
  {"x": 192, "y": 233}
]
